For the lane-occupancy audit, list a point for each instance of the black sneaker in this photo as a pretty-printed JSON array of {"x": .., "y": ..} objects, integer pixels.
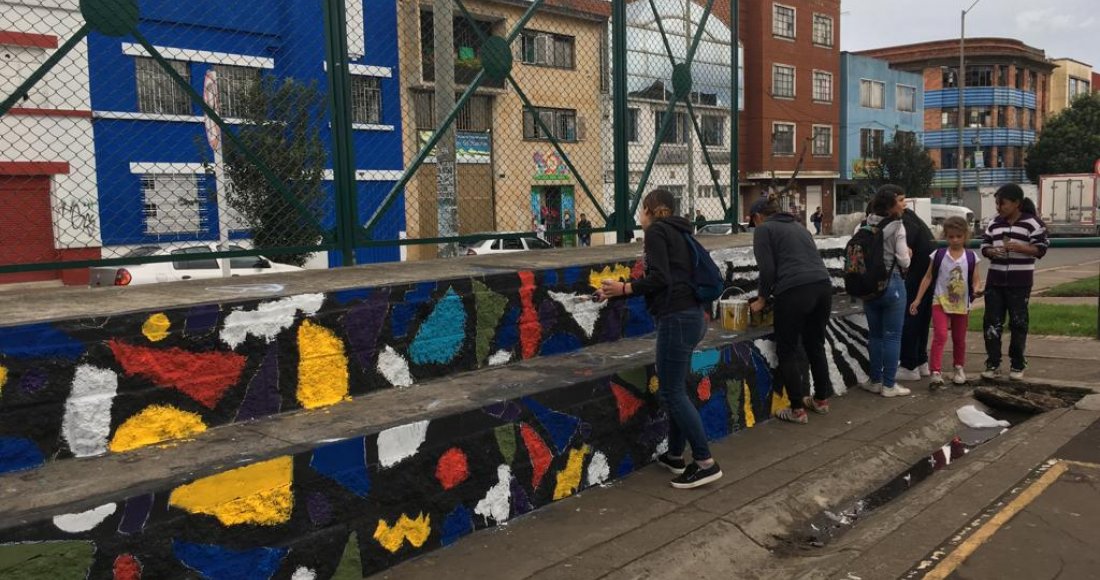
[
  {"x": 674, "y": 464},
  {"x": 695, "y": 476}
]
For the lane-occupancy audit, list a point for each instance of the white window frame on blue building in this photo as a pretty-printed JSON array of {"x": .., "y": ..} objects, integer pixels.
[
  {"x": 912, "y": 92},
  {"x": 868, "y": 100}
]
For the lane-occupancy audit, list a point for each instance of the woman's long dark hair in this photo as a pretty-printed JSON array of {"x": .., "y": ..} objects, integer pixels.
[
  {"x": 659, "y": 202},
  {"x": 885, "y": 199},
  {"x": 1013, "y": 192}
]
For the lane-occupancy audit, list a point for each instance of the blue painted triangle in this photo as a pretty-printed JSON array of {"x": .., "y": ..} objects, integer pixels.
[
  {"x": 344, "y": 462},
  {"x": 560, "y": 426}
]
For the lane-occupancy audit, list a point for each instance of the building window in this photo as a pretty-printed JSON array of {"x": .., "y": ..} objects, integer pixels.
[
  {"x": 782, "y": 81},
  {"x": 546, "y": 49},
  {"x": 1020, "y": 78},
  {"x": 1033, "y": 81},
  {"x": 905, "y": 138},
  {"x": 950, "y": 79},
  {"x": 366, "y": 100},
  {"x": 782, "y": 21},
  {"x": 823, "y": 140},
  {"x": 1002, "y": 76},
  {"x": 870, "y": 143},
  {"x": 474, "y": 117},
  {"x": 979, "y": 76},
  {"x": 907, "y": 99},
  {"x": 467, "y": 48},
  {"x": 1002, "y": 116},
  {"x": 170, "y": 204},
  {"x": 1077, "y": 87},
  {"x": 872, "y": 94},
  {"x": 823, "y": 30},
  {"x": 783, "y": 138},
  {"x": 979, "y": 117},
  {"x": 563, "y": 122},
  {"x": 714, "y": 130},
  {"x": 949, "y": 119},
  {"x": 157, "y": 92},
  {"x": 632, "y": 125},
  {"x": 948, "y": 159},
  {"x": 234, "y": 85},
  {"x": 677, "y": 131},
  {"x": 823, "y": 87}
]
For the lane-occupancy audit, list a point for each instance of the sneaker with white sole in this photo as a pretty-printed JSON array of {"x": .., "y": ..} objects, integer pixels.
[
  {"x": 676, "y": 465},
  {"x": 694, "y": 476},
  {"x": 936, "y": 382},
  {"x": 960, "y": 376},
  {"x": 991, "y": 374},
  {"x": 871, "y": 387},
  {"x": 1016, "y": 375},
  {"x": 905, "y": 374},
  {"x": 895, "y": 391},
  {"x": 924, "y": 370}
]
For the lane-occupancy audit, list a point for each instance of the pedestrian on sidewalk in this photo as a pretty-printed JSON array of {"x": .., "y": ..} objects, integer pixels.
[
  {"x": 584, "y": 230},
  {"x": 914, "y": 332},
  {"x": 670, "y": 298},
  {"x": 794, "y": 277},
  {"x": 953, "y": 270},
  {"x": 1012, "y": 242},
  {"x": 815, "y": 219},
  {"x": 886, "y": 313}
]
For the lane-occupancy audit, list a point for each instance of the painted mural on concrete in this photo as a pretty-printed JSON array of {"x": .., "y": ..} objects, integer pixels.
[{"x": 357, "y": 506}]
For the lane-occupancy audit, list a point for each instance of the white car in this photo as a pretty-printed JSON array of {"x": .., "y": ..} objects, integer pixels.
[
  {"x": 506, "y": 245},
  {"x": 720, "y": 229},
  {"x": 205, "y": 269}
]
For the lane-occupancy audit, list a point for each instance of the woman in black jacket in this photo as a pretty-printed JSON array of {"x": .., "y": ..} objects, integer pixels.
[{"x": 670, "y": 298}]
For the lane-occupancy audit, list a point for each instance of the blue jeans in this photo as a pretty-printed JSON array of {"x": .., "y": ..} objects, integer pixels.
[
  {"x": 678, "y": 333},
  {"x": 885, "y": 318}
]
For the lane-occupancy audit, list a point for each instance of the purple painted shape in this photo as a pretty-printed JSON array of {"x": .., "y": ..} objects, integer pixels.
[
  {"x": 655, "y": 431},
  {"x": 507, "y": 411},
  {"x": 201, "y": 320},
  {"x": 262, "y": 398},
  {"x": 521, "y": 504},
  {"x": 33, "y": 380},
  {"x": 613, "y": 320},
  {"x": 364, "y": 324},
  {"x": 135, "y": 514},
  {"x": 319, "y": 508},
  {"x": 548, "y": 316}
]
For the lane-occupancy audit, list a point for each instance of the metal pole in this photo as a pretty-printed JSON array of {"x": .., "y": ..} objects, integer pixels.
[
  {"x": 690, "y": 134},
  {"x": 619, "y": 108},
  {"x": 735, "y": 57},
  {"x": 447, "y": 210},
  {"x": 961, "y": 122},
  {"x": 343, "y": 159}
]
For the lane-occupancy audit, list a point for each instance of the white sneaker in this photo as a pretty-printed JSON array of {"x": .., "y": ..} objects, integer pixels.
[
  {"x": 1016, "y": 375},
  {"x": 875, "y": 388},
  {"x": 960, "y": 376},
  {"x": 905, "y": 374},
  {"x": 895, "y": 391},
  {"x": 924, "y": 370},
  {"x": 991, "y": 374},
  {"x": 936, "y": 380}
]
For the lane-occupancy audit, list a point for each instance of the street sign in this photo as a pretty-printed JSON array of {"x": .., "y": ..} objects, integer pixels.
[
  {"x": 979, "y": 159},
  {"x": 210, "y": 95}
]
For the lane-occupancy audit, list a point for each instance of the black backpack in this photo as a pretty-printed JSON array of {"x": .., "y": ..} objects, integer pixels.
[
  {"x": 706, "y": 278},
  {"x": 865, "y": 273}
]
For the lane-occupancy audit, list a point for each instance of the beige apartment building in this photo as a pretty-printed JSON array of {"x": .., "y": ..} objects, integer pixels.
[{"x": 1070, "y": 79}]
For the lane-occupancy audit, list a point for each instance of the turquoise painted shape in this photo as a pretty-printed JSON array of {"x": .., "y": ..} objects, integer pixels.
[
  {"x": 702, "y": 362},
  {"x": 441, "y": 335}
]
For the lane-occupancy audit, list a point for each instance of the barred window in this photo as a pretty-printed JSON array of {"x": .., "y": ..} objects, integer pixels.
[
  {"x": 234, "y": 84},
  {"x": 823, "y": 30},
  {"x": 782, "y": 21},
  {"x": 563, "y": 122},
  {"x": 473, "y": 117},
  {"x": 907, "y": 99},
  {"x": 714, "y": 130},
  {"x": 870, "y": 143},
  {"x": 872, "y": 94},
  {"x": 543, "y": 48},
  {"x": 170, "y": 204},
  {"x": 823, "y": 140},
  {"x": 366, "y": 100},
  {"x": 632, "y": 125},
  {"x": 782, "y": 80},
  {"x": 783, "y": 138},
  {"x": 823, "y": 86},
  {"x": 157, "y": 92},
  {"x": 677, "y": 131}
]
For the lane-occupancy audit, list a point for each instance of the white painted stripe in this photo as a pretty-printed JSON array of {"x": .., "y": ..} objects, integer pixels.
[
  {"x": 268, "y": 319},
  {"x": 371, "y": 127},
  {"x": 144, "y": 168},
  {"x": 130, "y": 116},
  {"x": 131, "y": 49},
  {"x": 86, "y": 425},
  {"x": 842, "y": 348},
  {"x": 367, "y": 70},
  {"x": 371, "y": 174}
]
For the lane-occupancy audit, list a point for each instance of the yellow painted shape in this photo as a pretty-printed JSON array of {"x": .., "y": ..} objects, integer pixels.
[
  {"x": 156, "y": 327},
  {"x": 415, "y": 531},
  {"x": 258, "y": 494},
  {"x": 322, "y": 367},
  {"x": 654, "y": 384},
  {"x": 3, "y": 378},
  {"x": 595, "y": 279},
  {"x": 569, "y": 479},
  {"x": 750, "y": 418},
  {"x": 153, "y": 425},
  {"x": 780, "y": 401}
]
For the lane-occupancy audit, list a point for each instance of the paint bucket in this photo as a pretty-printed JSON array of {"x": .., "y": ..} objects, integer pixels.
[{"x": 734, "y": 311}]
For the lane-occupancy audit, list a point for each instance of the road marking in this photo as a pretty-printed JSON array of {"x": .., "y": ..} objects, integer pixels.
[
  {"x": 1081, "y": 463},
  {"x": 971, "y": 544}
]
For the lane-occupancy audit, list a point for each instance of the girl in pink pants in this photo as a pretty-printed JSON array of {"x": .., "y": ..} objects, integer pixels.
[{"x": 957, "y": 282}]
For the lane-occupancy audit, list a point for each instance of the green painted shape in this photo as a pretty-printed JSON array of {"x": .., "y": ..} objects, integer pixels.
[
  {"x": 681, "y": 80},
  {"x": 111, "y": 17},
  {"x": 496, "y": 58},
  {"x": 351, "y": 565},
  {"x": 636, "y": 378},
  {"x": 490, "y": 308},
  {"x": 54, "y": 560},
  {"x": 734, "y": 392},
  {"x": 506, "y": 441}
]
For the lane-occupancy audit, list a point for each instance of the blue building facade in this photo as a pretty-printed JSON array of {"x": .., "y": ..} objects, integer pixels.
[
  {"x": 877, "y": 103},
  {"x": 155, "y": 180}
]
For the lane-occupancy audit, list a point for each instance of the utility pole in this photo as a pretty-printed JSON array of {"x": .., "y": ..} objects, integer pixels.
[
  {"x": 443, "y": 18},
  {"x": 690, "y": 132},
  {"x": 961, "y": 84}
]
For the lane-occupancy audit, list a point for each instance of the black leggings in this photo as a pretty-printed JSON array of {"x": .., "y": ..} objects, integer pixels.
[{"x": 801, "y": 315}]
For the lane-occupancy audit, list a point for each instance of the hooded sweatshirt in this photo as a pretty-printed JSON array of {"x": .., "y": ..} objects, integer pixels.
[
  {"x": 668, "y": 267},
  {"x": 786, "y": 255}
]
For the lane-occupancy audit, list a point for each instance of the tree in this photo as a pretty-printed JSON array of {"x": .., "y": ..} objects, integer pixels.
[
  {"x": 903, "y": 162},
  {"x": 281, "y": 127},
  {"x": 1070, "y": 141}
]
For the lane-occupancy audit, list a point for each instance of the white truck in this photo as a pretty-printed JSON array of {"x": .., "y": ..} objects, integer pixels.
[{"x": 1068, "y": 204}]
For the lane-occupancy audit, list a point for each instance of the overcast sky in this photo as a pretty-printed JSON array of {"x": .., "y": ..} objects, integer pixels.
[{"x": 1063, "y": 28}]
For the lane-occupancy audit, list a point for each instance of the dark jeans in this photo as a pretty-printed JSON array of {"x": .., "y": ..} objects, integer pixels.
[
  {"x": 885, "y": 316},
  {"x": 801, "y": 314},
  {"x": 999, "y": 301},
  {"x": 678, "y": 333},
  {"x": 914, "y": 334}
]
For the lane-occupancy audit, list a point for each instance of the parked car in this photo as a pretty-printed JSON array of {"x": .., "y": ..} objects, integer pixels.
[
  {"x": 506, "y": 245},
  {"x": 203, "y": 269},
  {"x": 720, "y": 229}
]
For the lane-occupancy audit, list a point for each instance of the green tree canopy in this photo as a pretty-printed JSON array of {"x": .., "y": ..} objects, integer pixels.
[
  {"x": 903, "y": 162},
  {"x": 1070, "y": 141}
]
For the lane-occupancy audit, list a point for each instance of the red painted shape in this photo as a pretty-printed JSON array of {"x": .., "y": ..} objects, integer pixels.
[
  {"x": 704, "y": 389},
  {"x": 452, "y": 468},
  {"x": 638, "y": 271},
  {"x": 127, "y": 567},
  {"x": 628, "y": 402},
  {"x": 539, "y": 452},
  {"x": 35, "y": 112},
  {"x": 203, "y": 376},
  {"x": 23, "y": 168},
  {"x": 530, "y": 329},
  {"x": 27, "y": 39}
]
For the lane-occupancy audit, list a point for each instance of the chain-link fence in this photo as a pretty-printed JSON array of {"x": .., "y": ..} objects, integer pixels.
[{"x": 206, "y": 138}]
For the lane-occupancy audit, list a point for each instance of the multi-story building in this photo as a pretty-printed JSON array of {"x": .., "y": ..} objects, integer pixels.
[
  {"x": 48, "y": 206},
  {"x": 878, "y": 105},
  {"x": 1007, "y": 97},
  {"x": 1096, "y": 82},
  {"x": 1070, "y": 79},
  {"x": 792, "y": 113}
]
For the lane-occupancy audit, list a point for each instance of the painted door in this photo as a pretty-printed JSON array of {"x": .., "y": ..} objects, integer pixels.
[
  {"x": 813, "y": 201},
  {"x": 26, "y": 230}
]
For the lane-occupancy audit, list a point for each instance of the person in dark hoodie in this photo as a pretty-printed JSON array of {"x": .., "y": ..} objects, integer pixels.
[
  {"x": 914, "y": 333},
  {"x": 794, "y": 275},
  {"x": 670, "y": 298}
]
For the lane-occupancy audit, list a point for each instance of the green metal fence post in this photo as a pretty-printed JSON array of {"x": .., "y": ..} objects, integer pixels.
[
  {"x": 343, "y": 158},
  {"x": 735, "y": 134},
  {"x": 619, "y": 107}
]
